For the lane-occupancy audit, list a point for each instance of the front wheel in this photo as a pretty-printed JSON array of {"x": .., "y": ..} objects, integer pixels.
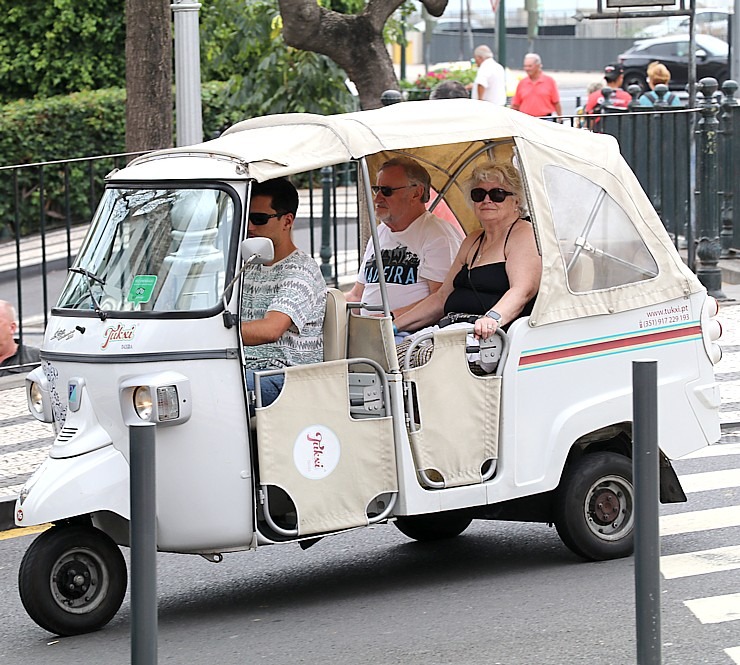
[
  {"x": 72, "y": 579},
  {"x": 595, "y": 507},
  {"x": 433, "y": 527}
]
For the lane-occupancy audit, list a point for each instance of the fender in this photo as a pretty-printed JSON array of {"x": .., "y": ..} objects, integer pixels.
[{"x": 72, "y": 486}]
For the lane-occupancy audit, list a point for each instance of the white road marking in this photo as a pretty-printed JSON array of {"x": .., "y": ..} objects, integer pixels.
[
  {"x": 700, "y": 520},
  {"x": 716, "y": 450},
  {"x": 716, "y": 609},
  {"x": 734, "y": 653},
  {"x": 710, "y": 480},
  {"x": 700, "y": 562}
]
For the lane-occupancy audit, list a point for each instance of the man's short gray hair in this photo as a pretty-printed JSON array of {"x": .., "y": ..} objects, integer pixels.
[
  {"x": 9, "y": 310},
  {"x": 483, "y": 51},
  {"x": 533, "y": 56},
  {"x": 414, "y": 171}
]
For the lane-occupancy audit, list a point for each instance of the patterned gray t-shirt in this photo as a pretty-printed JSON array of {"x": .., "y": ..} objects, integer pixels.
[{"x": 293, "y": 286}]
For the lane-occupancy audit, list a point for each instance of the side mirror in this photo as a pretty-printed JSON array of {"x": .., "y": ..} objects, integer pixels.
[
  {"x": 254, "y": 250},
  {"x": 257, "y": 250},
  {"x": 701, "y": 54}
]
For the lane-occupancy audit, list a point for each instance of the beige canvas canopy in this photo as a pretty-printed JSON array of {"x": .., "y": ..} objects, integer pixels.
[{"x": 582, "y": 194}]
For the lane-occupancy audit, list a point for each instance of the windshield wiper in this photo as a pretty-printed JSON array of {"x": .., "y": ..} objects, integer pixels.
[{"x": 92, "y": 277}]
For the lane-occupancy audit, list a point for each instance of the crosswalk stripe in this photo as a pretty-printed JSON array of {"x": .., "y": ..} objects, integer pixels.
[
  {"x": 716, "y": 609},
  {"x": 716, "y": 450},
  {"x": 699, "y": 520},
  {"x": 710, "y": 480},
  {"x": 701, "y": 562},
  {"x": 734, "y": 653}
]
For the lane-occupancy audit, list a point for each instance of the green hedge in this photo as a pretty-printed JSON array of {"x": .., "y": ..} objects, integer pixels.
[{"x": 83, "y": 124}]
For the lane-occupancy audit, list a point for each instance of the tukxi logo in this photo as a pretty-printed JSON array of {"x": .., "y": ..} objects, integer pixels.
[
  {"x": 316, "y": 452},
  {"x": 118, "y": 334}
]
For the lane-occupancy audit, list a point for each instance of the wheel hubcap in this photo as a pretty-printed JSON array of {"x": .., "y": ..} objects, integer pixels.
[
  {"x": 79, "y": 581},
  {"x": 609, "y": 508}
]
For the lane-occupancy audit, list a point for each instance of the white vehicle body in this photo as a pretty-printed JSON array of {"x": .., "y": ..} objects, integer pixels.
[{"x": 344, "y": 445}]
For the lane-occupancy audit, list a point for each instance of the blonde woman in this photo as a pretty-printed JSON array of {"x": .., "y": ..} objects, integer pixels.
[
  {"x": 497, "y": 270},
  {"x": 657, "y": 73}
]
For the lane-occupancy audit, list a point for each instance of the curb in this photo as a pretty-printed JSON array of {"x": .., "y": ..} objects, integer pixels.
[{"x": 7, "y": 513}]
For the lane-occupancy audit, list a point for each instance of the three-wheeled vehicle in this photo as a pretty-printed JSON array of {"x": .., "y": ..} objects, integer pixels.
[{"x": 147, "y": 328}]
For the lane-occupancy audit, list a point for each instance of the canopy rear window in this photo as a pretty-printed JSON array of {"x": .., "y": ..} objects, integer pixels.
[{"x": 598, "y": 242}]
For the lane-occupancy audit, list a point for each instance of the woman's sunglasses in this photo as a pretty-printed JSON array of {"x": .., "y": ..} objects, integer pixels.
[
  {"x": 261, "y": 218},
  {"x": 497, "y": 195}
]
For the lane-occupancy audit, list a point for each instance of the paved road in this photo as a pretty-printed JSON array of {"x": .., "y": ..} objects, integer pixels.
[{"x": 502, "y": 593}]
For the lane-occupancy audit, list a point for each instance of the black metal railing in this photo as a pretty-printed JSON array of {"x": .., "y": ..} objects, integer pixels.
[{"x": 45, "y": 207}]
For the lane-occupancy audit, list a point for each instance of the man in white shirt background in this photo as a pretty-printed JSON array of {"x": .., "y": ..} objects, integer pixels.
[{"x": 490, "y": 81}]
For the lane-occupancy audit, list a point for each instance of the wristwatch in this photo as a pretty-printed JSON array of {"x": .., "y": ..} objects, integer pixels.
[{"x": 493, "y": 314}]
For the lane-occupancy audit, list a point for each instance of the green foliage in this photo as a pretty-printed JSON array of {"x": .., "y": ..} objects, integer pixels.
[
  {"x": 424, "y": 83},
  {"x": 51, "y": 47},
  {"x": 243, "y": 44},
  {"x": 62, "y": 128}
]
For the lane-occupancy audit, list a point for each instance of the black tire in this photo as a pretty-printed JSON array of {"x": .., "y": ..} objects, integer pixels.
[
  {"x": 72, "y": 579},
  {"x": 433, "y": 527},
  {"x": 594, "y": 509},
  {"x": 635, "y": 77}
]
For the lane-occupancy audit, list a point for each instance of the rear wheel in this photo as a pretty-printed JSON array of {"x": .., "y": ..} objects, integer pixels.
[
  {"x": 433, "y": 527},
  {"x": 594, "y": 511},
  {"x": 72, "y": 579}
]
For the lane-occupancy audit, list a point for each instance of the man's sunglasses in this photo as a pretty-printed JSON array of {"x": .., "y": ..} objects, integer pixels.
[
  {"x": 387, "y": 191},
  {"x": 261, "y": 218},
  {"x": 497, "y": 195}
]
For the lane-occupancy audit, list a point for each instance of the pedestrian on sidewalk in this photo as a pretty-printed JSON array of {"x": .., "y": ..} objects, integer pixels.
[
  {"x": 449, "y": 89},
  {"x": 614, "y": 77},
  {"x": 490, "y": 81},
  {"x": 658, "y": 73},
  {"x": 13, "y": 355},
  {"x": 537, "y": 94}
]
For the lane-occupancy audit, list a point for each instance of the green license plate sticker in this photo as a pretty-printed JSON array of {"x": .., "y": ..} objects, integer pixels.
[{"x": 142, "y": 288}]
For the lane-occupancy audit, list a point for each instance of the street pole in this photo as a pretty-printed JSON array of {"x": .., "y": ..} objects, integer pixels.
[
  {"x": 188, "y": 110},
  {"x": 501, "y": 32},
  {"x": 647, "y": 482},
  {"x": 734, "y": 37}
]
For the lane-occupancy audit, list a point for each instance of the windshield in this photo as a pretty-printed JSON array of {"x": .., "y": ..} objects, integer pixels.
[{"x": 158, "y": 250}]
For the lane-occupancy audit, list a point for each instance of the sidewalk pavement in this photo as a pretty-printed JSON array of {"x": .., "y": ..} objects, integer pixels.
[{"x": 24, "y": 441}]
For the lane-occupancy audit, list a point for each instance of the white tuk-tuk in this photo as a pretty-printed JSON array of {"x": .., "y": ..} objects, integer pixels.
[{"x": 147, "y": 328}]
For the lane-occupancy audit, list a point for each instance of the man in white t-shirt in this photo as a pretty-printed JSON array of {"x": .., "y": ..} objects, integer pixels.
[
  {"x": 490, "y": 81},
  {"x": 416, "y": 246}
]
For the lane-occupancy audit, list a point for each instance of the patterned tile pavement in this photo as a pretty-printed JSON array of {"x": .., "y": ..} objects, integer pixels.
[{"x": 24, "y": 442}]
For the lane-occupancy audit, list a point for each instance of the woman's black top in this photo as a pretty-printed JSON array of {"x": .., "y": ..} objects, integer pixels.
[{"x": 476, "y": 290}]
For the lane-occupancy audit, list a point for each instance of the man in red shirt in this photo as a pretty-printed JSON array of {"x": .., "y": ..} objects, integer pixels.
[
  {"x": 537, "y": 94},
  {"x": 614, "y": 77}
]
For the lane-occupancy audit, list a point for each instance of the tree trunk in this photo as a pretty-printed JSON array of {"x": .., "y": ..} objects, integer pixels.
[
  {"x": 353, "y": 41},
  {"x": 148, "y": 75}
]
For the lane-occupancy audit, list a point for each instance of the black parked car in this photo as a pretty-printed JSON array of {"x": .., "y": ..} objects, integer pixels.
[{"x": 673, "y": 52}]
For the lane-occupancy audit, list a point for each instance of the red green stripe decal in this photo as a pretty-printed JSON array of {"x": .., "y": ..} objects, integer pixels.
[{"x": 606, "y": 346}]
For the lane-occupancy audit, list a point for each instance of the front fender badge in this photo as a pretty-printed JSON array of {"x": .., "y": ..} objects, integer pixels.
[{"x": 19, "y": 515}]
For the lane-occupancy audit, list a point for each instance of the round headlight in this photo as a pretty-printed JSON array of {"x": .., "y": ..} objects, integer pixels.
[
  {"x": 143, "y": 402},
  {"x": 37, "y": 398}
]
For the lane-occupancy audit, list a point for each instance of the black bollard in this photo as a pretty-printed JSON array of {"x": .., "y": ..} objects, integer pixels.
[
  {"x": 645, "y": 465},
  {"x": 390, "y": 97},
  {"x": 708, "y": 249},
  {"x": 143, "y": 538}
]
